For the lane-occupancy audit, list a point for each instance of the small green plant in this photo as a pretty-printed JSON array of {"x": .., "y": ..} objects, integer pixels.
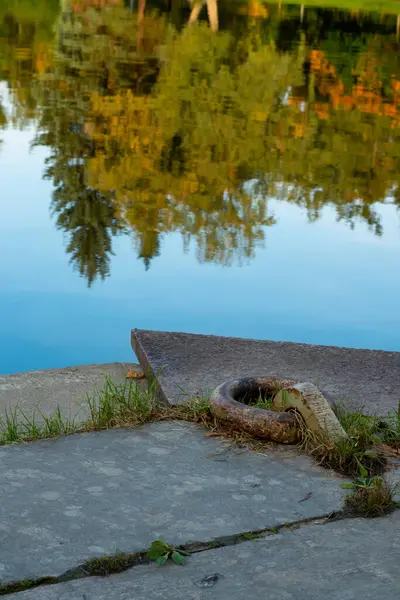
[
  {"x": 355, "y": 422},
  {"x": 359, "y": 449},
  {"x": 161, "y": 551},
  {"x": 262, "y": 402},
  {"x": 355, "y": 453},
  {"x": 119, "y": 404},
  {"x": 362, "y": 481},
  {"x": 251, "y": 536},
  {"x": 371, "y": 496},
  {"x": 389, "y": 428},
  {"x": 10, "y": 428}
]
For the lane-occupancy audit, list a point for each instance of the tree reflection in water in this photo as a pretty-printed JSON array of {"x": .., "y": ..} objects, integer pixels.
[{"x": 154, "y": 126}]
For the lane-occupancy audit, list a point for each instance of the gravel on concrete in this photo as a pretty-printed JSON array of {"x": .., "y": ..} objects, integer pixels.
[
  {"x": 354, "y": 559},
  {"x": 64, "y": 501}
]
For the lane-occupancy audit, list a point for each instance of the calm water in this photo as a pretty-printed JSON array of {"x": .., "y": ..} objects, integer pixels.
[{"x": 240, "y": 176}]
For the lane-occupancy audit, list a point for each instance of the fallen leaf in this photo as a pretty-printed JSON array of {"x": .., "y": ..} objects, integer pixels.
[{"x": 134, "y": 375}]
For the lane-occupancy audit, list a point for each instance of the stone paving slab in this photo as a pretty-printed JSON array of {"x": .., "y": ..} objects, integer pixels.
[
  {"x": 199, "y": 363},
  {"x": 64, "y": 501},
  {"x": 345, "y": 560},
  {"x": 52, "y": 388}
]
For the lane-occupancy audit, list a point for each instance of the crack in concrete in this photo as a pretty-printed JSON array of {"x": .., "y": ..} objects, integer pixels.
[{"x": 118, "y": 563}]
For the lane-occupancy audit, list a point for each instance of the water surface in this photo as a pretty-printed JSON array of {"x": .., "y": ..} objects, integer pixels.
[{"x": 239, "y": 176}]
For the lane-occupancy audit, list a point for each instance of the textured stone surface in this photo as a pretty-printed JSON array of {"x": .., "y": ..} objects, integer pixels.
[
  {"x": 201, "y": 363},
  {"x": 348, "y": 560},
  {"x": 64, "y": 501},
  {"x": 49, "y": 389}
]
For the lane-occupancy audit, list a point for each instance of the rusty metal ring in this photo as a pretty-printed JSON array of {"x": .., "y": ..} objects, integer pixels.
[{"x": 228, "y": 403}]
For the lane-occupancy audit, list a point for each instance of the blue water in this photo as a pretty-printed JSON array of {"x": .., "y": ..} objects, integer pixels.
[
  {"x": 317, "y": 283},
  {"x": 168, "y": 133}
]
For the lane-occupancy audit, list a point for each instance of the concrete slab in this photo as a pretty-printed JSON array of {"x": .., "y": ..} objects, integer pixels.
[
  {"x": 64, "y": 501},
  {"x": 49, "y": 389},
  {"x": 346, "y": 560},
  {"x": 198, "y": 363}
]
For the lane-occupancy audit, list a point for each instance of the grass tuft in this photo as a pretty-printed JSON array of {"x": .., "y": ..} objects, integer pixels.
[
  {"x": 263, "y": 402},
  {"x": 389, "y": 428},
  {"x": 359, "y": 450},
  {"x": 10, "y": 426},
  {"x": 196, "y": 410},
  {"x": 370, "y": 497},
  {"x": 117, "y": 405}
]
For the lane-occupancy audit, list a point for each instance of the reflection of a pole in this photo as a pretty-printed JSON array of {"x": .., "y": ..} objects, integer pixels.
[
  {"x": 132, "y": 5},
  {"x": 398, "y": 26},
  {"x": 301, "y": 13},
  {"x": 140, "y": 34},
  {"x": 194, "y": 15},
  {"x": 212, "y": 9}
]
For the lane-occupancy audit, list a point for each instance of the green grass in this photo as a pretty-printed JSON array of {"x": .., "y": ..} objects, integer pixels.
[
  {"x": 115, "y": 405},
  {"x": 196, "y": 409},
  {"x": 360, "y": 447},
  {"x": 262, "y": 402},
  {"x": 370, "y": 497},
  {"x": 18, "y": 427},
  {"x": 360, "y": 457},
  {"x": 121, "y": 404},
  {"x": 370, "y": 429},
  {"x": 389, "y": 428}
]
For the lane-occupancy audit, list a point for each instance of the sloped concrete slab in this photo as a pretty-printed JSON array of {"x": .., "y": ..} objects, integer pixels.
[
  {"x": 199, "y": 363},
  {"x": 64, "y": 501},
  {"x": 64, "y": 388},
  {"x": 347, "y": 560}
]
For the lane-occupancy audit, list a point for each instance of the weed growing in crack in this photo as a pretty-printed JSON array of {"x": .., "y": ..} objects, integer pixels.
[
  {"x": 370, "y": 496},
  {"x": 359, "y": 450},
  {"x": 161, "y": 551},
  {"x": 251, "y": 536},
  {"x": 25, "y": 584}
]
